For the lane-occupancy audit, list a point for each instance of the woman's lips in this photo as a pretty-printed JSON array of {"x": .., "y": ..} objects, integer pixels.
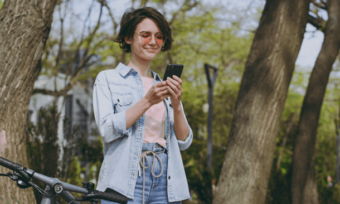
[{"x": 151, "y": 49}]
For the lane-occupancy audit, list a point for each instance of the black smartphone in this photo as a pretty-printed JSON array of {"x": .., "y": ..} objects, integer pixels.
[{"x": 173, "y": 69}]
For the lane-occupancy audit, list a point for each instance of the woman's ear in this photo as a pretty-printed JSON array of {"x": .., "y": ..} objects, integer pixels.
[{"x": 127, "y": 40}]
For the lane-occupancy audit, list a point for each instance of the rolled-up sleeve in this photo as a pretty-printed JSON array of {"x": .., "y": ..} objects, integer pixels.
[
  {"x": 183, "y": 145},
  {"x": 111, "y": 125}
]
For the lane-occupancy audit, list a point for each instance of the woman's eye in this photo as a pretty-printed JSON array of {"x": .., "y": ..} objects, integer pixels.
[
  {"x": 160, "y": 36},
  {"x": 145, "y": 35}
]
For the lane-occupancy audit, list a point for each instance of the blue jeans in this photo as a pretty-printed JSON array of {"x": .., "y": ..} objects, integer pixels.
[{"x": 155, "y": 187}]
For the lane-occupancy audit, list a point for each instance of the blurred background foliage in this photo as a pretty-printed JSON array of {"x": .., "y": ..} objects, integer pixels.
[{"x": 204, "y": 32}]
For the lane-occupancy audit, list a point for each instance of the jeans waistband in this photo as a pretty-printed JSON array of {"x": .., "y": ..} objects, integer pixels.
[{"x": 154, "y": 147}]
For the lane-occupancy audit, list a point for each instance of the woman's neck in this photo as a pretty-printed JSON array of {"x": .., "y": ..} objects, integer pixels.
[{"x": 141, "y": 66}]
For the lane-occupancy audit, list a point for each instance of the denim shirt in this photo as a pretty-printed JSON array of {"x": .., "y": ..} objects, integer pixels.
[{"x": 115, "y": 91}]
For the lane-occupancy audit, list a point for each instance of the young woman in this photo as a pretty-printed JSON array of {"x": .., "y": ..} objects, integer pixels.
[{"x": 141, "y": 118}]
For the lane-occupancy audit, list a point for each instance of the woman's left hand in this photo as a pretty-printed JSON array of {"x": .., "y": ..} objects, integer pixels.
[
  {"x": 181, "y": 126},
  {"x": 175, "y": 90}
]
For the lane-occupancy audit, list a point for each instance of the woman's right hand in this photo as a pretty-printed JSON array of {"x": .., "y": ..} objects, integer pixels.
[{"x": 157, "y": 93}]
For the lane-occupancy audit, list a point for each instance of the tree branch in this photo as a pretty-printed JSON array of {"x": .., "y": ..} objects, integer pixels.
[
  {"x": 89, "y": 39},
  {"x": 322, "y": 4},
  {"x": 185, "y": 7},
  {"x": 61, "y": 37},
  {"x": 115, "y": 24},
  {"x": 82, "y": 66},
  {"x": 85, "y": 58},
  {"x": 53, "y": 93},
  {"x": 317, "y": 22},
  {"x": 143, "y": 3},
  {"x": 70, "y": 85}
]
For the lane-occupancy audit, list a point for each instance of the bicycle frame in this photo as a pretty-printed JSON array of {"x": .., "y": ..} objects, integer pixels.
[{"x": 55, "y": 187}]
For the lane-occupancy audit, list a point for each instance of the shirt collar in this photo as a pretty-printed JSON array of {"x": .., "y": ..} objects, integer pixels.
[
  {"x": 156, "y": 76},
  {"x": 124, "y": 70}
]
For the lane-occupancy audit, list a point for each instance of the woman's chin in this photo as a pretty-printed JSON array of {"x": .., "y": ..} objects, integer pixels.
[{"x": 149, "y": 56}]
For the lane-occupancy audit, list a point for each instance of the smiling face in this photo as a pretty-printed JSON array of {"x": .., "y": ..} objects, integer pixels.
[{"x": 145, "y": 44}]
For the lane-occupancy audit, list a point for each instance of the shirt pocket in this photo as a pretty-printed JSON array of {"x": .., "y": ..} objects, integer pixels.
[{"x": 121, "y": 101}]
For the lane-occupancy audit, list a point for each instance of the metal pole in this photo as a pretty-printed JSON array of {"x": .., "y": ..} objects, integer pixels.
[
  {"x": 210, "y": 117},
  {"x": 211, "y": 82}
]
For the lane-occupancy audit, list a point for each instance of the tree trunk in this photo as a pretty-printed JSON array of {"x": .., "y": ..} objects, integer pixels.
[
  {"x": 307, "y": 129},
  {"x": 24, "y": 29},
  {"x": 310, "y": 192},
  {"x": 268, "y": 72}
]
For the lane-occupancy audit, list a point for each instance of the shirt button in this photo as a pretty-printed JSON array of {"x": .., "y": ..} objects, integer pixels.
[
  {"x": 133, "y": 175},
  {"x": 169, "y": 177}
]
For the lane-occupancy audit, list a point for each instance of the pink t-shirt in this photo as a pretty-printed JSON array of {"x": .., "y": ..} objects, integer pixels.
[{"x": 154, "y": 119}]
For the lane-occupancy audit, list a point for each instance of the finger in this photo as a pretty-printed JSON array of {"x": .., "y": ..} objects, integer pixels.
[
  {"x": 162, "y": 88},
  {"x": 163, "y": 93},
  {"x": 172, "y": 86},
  {"x": 172, "y": 92},
  {"x": 164, "y": 96},
  {"x": 176, "y": 83},
  {"x": 159, "y": 87},
  {"x": 179, "y": 80},
  {"x": 160, "y": 84},
  {"x": 173, "y": 80}
]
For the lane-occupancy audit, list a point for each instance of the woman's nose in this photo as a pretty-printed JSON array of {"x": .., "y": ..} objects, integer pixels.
[{"x": 153, "y": 40}]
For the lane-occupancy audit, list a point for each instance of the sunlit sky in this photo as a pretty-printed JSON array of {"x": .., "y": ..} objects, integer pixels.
[{"x": 309, "y": 50}]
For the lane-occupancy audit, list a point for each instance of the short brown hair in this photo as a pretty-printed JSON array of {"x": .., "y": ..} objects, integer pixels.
[{"x": 130, "y": 20}]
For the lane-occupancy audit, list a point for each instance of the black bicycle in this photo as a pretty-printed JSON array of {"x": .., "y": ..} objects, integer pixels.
[{"x": 55, "y": 187}]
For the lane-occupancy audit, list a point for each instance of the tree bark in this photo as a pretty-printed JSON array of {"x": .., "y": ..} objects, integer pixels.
[
  {"x": 24, "y": 29},
  {"x": 268, "y": 72},
  {"x": 308, "y": 123},
  {"x": 310, "y": 192}
]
